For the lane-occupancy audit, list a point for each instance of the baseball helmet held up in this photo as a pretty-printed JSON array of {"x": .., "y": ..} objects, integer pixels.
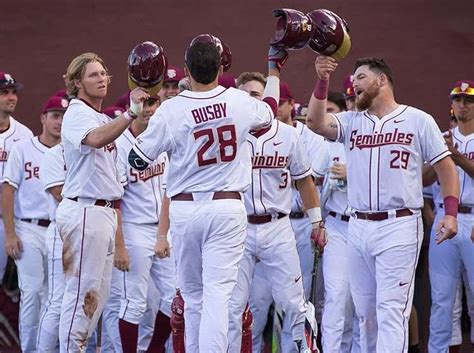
[
  {"x": 226, "y": 54},
  {"x": 294, "y": 29},
  {"x": 331, "y": 34},
  {"x": 147, "y": 65}
]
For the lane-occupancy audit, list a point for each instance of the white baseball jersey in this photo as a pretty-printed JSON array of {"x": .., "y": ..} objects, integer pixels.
[
  {"x": 278, "y": 158},
  {"x": 204, "y": 134},
  {"x": 15, "y": 132},
  {"x": 465, "y": 145},
  {"x": 335, "y": 197},
  {"x": 385, "y": 156},
  {"x": 144, "y": 189},
  {"x": 53, "y": 173},
  {"x": 22, "y": 172},
  {"x": 91, "y": 172}
]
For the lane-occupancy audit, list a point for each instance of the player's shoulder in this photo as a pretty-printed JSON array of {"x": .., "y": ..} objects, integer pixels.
[
  {"x": 20, "y": 130},
  {"x": 415, "y": 113}
]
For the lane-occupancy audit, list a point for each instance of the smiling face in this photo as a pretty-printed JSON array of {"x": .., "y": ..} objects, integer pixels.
[
  {"x": 253, "y": 88},
  {"x": 366, "y": 85},
  {"x": 94, "y": 82},
  {"x": 8, "y": 100}
]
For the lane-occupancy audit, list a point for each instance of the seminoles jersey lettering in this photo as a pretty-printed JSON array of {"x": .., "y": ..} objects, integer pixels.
[
  {"x": 204, "y": 134},
  {"x": 144, "y": 190},
  {"x": 465, "y": 145},
  {"x": 15, "y": 132},
  {"x": 385, "y": 156},
  {"x": 53, "y": 173},
  {"x": 91, "y": 172},
  {"x": 278, "y": 158},
  {"x": 22, "y": 172}
]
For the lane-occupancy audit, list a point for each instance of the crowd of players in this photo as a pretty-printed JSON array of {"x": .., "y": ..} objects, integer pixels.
[{"x": 290, "y": 163}]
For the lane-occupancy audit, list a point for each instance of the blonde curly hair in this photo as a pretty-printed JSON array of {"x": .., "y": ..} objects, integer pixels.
[{"x": 76, "y": 69}]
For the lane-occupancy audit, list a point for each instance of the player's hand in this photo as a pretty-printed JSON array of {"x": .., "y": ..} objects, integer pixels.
[
  {"x": 276, "y": 58},
  {"x": 162, "y": 248},
  {"x": 318, "y": 236},
  {"x": 324, "y": 66},
  {"x": 447, "y": 228},
  {"x": 339, "y": 171},
  {"x": 137, "y": 97},
  {"x": 121, "y": 259},
  {"x": 13, "y": 246}
]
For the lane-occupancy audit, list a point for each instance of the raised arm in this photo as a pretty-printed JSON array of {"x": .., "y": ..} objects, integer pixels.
[{"x": 317, "y": 119}]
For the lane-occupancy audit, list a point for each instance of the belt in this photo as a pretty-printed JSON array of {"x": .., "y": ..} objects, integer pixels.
[
  {"x": 103, "y": 203},
  {"x": 218, "y": 195},
  {"x": 40, "y": 222},
  {"x": 297, "y": 215},
  {"x": 341, "y": 217},
  {"x": 461, "y": 209},
  {"x": 264, "y": 218},
  {"x": 381, "y": 216}
]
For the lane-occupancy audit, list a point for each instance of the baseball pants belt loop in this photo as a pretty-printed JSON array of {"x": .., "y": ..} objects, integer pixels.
[
  {"x": 297, "y": 215},
  {"x": 381, "y": 216},
  {"x": 338, "y": 216},
  {"x": 102, "y": 203},
  {"x": 264, "y": 218},
  {"x": 218, "y": 195},
  {"x": 38, "y": 222},
  {"x": 461, "y": 209}
]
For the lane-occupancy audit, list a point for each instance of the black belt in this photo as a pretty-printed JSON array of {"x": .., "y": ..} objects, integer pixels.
[
  {"x": 263, "y": 218},
  {"x": 297, "y": 215},
  {"x": 40, "y": 222},
  {"x": 339, "y": 216},
  {"x": 381, "y": 216},
  {"x": 218, "y": 195},
  {"x": 103, "y": 203}
]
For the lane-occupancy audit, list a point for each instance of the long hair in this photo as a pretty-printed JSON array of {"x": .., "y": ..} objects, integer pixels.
[{"x": 76, "y": 69}]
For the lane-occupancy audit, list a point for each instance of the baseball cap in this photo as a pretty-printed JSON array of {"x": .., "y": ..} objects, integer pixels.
[
  {"x": 113, "y": 111},
  {"x": 463, "y": 88},
  {"x": 61, "y": 93},
  {"x": 285, "y": 92},
  {"x": 55, "y": 103},
  {"x": 227, "y": 80},
  {"x": 173, "y": 74},
  {"x": 7, "y": 81},
  {"x": 348, "y": 88}
]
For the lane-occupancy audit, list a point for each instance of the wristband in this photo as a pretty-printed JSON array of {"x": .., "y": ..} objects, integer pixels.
[
  {"x": 321, "y": 89},
  {"x": 451, "y": 204},
  {"x": 314, "y": 214},
  {"x": 128, "y": 116}
]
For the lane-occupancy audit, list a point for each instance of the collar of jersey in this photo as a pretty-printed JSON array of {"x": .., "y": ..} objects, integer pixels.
[{"x": 207, "y": 94}]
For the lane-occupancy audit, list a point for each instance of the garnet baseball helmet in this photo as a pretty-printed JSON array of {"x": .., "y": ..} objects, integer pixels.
[
  {"x": 331, "y": 34},
  {"x": 226, "y": 55},
  {"x": 147, "y": 65},
  {"x": 294, "y": 29}
]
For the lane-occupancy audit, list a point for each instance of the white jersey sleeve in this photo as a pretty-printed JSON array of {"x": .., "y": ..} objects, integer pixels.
[
  {"x": 433, "y": 147},
  {"x": 78, "y": 128},
  {"x": 299, "y": 164},
  {"x": 13, "y": 173},
  {"x": 342, "y": 121}
]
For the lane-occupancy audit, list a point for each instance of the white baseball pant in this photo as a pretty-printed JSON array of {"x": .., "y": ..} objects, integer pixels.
[
  {"x": 88, "y": 234},
  {"x": 32, "y": 281},
  {"x": 3, "y": 253},
  {"x": 208, "y": 238},
  {"x": 48, "y": 331},
  {"x": 383, "y": 257},
  {"x": 274, "y": 244},
  {"x": 445, "y": 266},
  {"x": 337, "y": 324}
]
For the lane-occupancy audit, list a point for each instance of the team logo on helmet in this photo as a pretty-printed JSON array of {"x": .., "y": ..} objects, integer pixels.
[
  {"x": 464, "y": 86},
  {"x": 9, "y": 78},
  {"x": 64, "y": 103}
]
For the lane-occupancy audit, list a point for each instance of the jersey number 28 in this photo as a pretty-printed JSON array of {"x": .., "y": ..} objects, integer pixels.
[{"x": 226, "y": 139}]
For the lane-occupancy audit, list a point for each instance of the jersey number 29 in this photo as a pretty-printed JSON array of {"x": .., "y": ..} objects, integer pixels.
[{"x": 226, "y": 139}]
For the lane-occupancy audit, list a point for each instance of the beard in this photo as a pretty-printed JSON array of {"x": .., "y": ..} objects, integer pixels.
[{"x": 365, "y": 99}]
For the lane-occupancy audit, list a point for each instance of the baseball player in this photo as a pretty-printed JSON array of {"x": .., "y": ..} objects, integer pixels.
[
  {"x": 86, "y": 217},
  {"x": 140, "y": 229},
  {"x": 349, "y": 94},
  {"x": 204, "y": 132},
  {"x": 451, "y": 257},
  {"x": 11, "y": 131},
  {"x": 26, "y": 218},
  {"x": 52, "y": 175},
  {"x": 278, "y": 160},
  {"x": 338, "y": 332},
  {"x": 386, "y": 144},
  {"x": 170, "y": 87}
]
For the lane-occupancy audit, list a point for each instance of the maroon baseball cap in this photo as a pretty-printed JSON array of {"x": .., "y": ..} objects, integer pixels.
[
  {"x": 7, "y": 81},
  {"x": 463, "y": 88},
  {"x": 227, "y": 80},
  {"x": 348, "y": 88},
  {"x": 55, "y": 103},
  {"x": 61, "y": 93},
  {"x": 173, "y": 74},
  {"x": 285, "y": 92},
  {"x": 113, "y": 111}
]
